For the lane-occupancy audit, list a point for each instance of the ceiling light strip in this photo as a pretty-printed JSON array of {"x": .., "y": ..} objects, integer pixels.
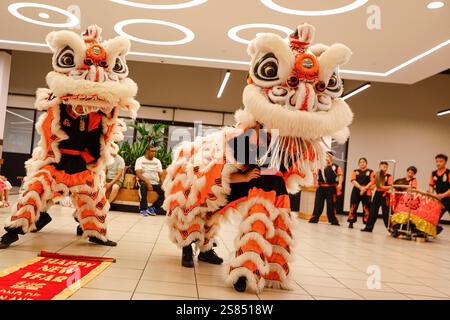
[
  {"x": 224, "y": 84},
  {"x": 276, "y": 7},
  {"x": 443, "y": 112},
  {"x": 174, "y": 6},
  {"x": 72, "y": 20},
  {"x": 356, "y": 91}
]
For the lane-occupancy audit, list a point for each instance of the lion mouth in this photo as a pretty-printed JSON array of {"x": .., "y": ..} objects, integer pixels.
[{"x": 85, "y": 104}]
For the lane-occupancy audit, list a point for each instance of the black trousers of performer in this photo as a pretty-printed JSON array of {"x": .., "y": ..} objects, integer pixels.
[
  {"x": 323, "y": 194},
  {"x": 380, "y": 199},
  {"x": 355, "y": 199},
  {"x": 446, "y": 203},
  {"x": 265, "y": 182},
  {"x": 158, "y": 203}
]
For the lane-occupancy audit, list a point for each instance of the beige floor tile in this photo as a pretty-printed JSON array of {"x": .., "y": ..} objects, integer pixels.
[
  {"x": 283, "y": 295},
  {"x": 221, "y": 293},
  {"x": 112, "y": 283},
  {"x": 187, "y": 276},
  {"x": 122, "y": 273},
  {"x": 318, "y": 281},
  {"x": 330, "y": 292},
  {"x": 380, "y": 295},
  {"x": 420, "y": 290},
  {"x": 167, "y": 288},
  {"x": 97, "y": 294},
  {"x": 147, "y": 296}
]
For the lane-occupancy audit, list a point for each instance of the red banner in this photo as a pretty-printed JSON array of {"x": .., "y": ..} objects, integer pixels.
[{"x": 48, "y": 278}]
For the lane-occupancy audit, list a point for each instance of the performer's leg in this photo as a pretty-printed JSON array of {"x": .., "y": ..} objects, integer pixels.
[
  {"x": 319, "y": 202},
  {"x": 249, "y": 264},
  {"x": 373, "y": 214},
  {"x": 281, "y": 242},
  {"x": 207, "y": 253},
  {"x": 385, "y": 203},
  {"x": 366, "y": 199},
  {"x": 330, "y": 193},
  {"x": 355, "y": 198},
  {"x": 27, "y": 214},
  {"x": 91, "y": 209}
]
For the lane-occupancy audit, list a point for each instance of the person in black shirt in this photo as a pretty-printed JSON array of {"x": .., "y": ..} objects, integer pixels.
[
  {"x": 329, "y": 180},
  {"x": 382, "y": 181},
  {"x": 440, "y": 184},
  {"x": 361, "y": 192}
]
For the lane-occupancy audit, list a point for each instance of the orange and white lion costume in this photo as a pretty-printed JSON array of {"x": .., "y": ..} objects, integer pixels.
[
  {"x": 293, "y": 94},
  {"x": 88, "y": 86}
]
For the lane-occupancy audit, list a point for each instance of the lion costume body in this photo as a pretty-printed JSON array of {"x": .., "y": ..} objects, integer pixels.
[
  {"x": 293, "y": 95},
  {"x": 87, "y": 88}
]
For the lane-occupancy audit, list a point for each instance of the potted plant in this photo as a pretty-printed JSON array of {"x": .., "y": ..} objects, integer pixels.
[{"x": 146, "y": 134}]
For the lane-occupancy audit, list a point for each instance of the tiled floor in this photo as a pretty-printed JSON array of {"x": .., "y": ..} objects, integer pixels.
[{"x": 330, "y": 262}]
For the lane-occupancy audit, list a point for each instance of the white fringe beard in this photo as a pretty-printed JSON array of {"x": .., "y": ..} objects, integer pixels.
[{"x": 296, "y": 152}]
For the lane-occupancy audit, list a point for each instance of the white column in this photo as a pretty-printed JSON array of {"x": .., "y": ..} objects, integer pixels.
[{"x": 5, "y": 69}]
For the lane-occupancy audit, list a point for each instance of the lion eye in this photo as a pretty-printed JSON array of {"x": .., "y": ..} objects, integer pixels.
[
  {"x": 266, "y": 68},
  {"x": 119, "y": 67},
  {"x": 66, "y": 58}
]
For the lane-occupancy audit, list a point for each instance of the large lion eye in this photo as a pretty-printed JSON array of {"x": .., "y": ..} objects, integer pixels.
[
  {"x": 66, "y": 58},
  {"x": 119, "y": 66},
  {"x": 335, "y": 83},
  {"x": 267, "y": 68}
]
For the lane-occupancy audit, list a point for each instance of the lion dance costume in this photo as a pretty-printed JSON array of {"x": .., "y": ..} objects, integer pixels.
[
  {"x": 293, "y": 96},
  {"x": 88, "y": 86}
]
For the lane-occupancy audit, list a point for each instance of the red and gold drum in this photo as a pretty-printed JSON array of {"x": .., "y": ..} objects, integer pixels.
[{"x": 422, "y": 208}]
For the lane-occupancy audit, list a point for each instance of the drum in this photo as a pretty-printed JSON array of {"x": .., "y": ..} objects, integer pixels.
[{"x": 420, "y": 208}]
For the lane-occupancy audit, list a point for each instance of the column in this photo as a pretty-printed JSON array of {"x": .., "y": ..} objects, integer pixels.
[{"x": 5, "y": 69}]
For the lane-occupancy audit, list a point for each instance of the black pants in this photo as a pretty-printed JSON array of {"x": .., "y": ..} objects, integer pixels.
[
  {"x": 380, "y": 199},
  {"x": 157, "y": 188},
  {"x": 327, "y": 194},
  {"x": 265, "y": 182},
  {"x": 355, "y": 199},
  {"x": 446, "y": 203}
]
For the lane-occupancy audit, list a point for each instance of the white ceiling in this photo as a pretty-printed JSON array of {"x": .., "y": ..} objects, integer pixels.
[{"x": 408, "y": 30}]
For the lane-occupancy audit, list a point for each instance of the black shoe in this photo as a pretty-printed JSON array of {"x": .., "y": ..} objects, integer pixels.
[
  {"x": 187, "y": 260},
  {"x": 161, "y": 212},
  {"x": 366, "y": 230},
  {"x": 335, "y": 223},
  {"x": 350, "y": 225},
  {"x": 439, "y": 229},
  {"x": 107, "y": 243},
  {"x": 241, "y": 284},
  {"x": 79, "y": 231},
  {"x": 210, "y": 256},
  {"x": 44, "y": 219},
  {"x": 7, "y": 239},
  {"x": 313, "y": 221}
]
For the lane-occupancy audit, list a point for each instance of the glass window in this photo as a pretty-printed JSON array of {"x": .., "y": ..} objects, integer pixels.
[
  {"x": 18, "y": 130},
  {"x": 37, "y": 136},
  {"x": 129, "y": 134}
]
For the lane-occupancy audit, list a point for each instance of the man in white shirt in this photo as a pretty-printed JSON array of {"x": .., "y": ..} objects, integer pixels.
[
  {"x": 148, "y": 170},
  {"x": 114, "y": 177}
]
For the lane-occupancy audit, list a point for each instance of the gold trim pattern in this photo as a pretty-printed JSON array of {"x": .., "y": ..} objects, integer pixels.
[{"x": 421, "y": 224}]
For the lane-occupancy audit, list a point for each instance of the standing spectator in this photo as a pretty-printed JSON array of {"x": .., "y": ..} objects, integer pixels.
[
  {"x": 383, "y": 182},
  {"x": 148, "y": 170},
  {"x": 329, "y": 183},
  {"x": 440, "y": 184},
  {"x": 5, "y": 188},
  {"x": 361, "y": 192},
  {"x": 114, "y": 177}
]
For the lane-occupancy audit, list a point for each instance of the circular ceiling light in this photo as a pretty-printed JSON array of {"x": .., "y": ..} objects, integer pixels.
[
  {"x": 189, "y": 35},
  {"x": 72, "y": 20},
  {"x": 174, "y": 6},
  {"x": 352, "y": 6},
  {"x": 233, "y": 32},
  {"x": 435, "y": 5}
]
